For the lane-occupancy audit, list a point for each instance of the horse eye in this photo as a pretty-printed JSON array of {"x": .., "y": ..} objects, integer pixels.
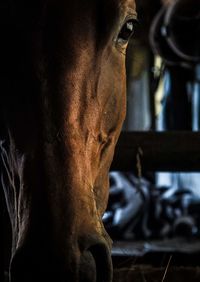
[{"x": 126, "y": 32}]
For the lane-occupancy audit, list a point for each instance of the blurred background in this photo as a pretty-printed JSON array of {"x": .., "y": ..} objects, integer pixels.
[{"x": 154, "y": 204}]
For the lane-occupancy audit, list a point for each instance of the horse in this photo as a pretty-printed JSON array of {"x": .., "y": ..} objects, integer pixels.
[{"x": 63, "y": 102}]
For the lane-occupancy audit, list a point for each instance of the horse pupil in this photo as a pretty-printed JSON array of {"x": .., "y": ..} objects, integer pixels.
[{"x": 126, "y": 31}]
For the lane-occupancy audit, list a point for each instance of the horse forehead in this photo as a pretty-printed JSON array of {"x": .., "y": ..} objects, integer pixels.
[
  {"x": 118, "y": 4},
  {"x": 102, "y": 2},
  {"x": 128, "y": 4},
  {"x": 106, "y": 4},
  {"x": 75, "y": 8}
]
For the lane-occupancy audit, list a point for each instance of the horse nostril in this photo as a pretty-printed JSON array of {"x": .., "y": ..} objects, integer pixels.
[
  {"x": 103, "y": 262},
  {"x": 96, "y": 265},
  {"x": 87, "y": 271}
]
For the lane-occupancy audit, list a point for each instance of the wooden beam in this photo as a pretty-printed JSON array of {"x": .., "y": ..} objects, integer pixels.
[{"x": 158, "y": 151}]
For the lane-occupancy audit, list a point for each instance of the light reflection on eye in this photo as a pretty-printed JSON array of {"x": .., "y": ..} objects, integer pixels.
[{"x": 126, "y": 31}]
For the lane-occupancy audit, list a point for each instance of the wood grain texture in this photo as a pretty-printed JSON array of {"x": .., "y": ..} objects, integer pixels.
[{"x": 159, "y": 151}]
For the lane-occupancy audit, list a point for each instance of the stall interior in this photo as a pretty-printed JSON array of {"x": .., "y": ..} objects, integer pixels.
[{"x": 153, "y": 214}]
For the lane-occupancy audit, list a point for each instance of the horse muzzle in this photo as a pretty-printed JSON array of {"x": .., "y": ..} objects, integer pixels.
[{"x": 32, "y": 263}]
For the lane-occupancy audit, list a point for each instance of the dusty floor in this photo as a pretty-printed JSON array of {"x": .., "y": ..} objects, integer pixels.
[
  {"x": 167, "y": 261},
  {"x": 150, "y": 274}
]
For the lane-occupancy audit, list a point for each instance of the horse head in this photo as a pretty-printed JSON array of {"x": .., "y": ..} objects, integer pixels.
[{"x": 62, "y": 107}]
